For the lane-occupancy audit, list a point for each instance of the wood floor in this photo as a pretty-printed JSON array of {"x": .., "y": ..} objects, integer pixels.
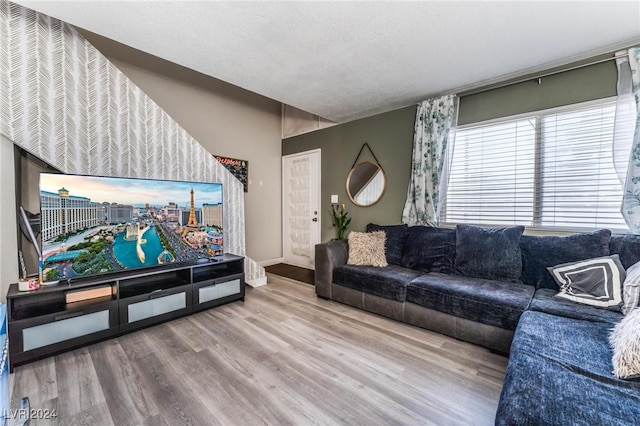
[{"x": 283, "y": 357}]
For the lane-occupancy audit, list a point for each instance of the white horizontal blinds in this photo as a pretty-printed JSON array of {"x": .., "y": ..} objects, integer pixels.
[
  {"x": 553, "y": 169},
  {"x": 491, "y": 178},
  {"x": 579, "y": 184}
]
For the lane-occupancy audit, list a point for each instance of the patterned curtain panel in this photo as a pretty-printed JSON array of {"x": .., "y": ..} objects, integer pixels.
[
  {"x": 631, "y": 198},
  {"x": 434, "y": 120}
]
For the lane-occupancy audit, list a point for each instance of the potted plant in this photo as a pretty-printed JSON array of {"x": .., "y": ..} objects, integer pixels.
[{"x": 341, "y": 220}]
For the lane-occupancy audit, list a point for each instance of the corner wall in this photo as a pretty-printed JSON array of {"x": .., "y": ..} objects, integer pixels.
[
  {"x": 65, "y": 103},
  {"x": 390, "y": 136},
  {"x": 227, "y": 121}
]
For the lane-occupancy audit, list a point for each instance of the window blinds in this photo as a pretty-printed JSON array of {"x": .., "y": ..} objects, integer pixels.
[{"x": 552, "y": 169}]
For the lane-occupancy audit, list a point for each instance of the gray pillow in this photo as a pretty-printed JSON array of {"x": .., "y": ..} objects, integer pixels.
[
  {"x": 489, "y": 253},
  {"x": 595, "y": 282}
]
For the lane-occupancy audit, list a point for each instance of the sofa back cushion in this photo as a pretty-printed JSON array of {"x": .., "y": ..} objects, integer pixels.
[
  {"x": 430, "y": 249},
  {"x": 627, "y": 246},
  {"x": 541, "y": 252},
  {"x": 489, "y": 253},
  {"x": 396, "y": 235}
]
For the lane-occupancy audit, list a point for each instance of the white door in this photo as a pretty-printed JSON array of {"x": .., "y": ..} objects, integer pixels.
[{"x": 301, "y": 207}]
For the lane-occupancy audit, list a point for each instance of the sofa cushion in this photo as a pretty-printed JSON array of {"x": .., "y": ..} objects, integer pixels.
[
  {"x": 496, "y": 303},
  {"x": 596, "y": 282},
  {"x": 545, "y": 301},
  {"x": 396, "y": 235},
  {"x": 627, "y": 246},
  {"x": 489, "y": 253},
  {"x": 560, "y": 373},
  {"x": 367, "y": 248},
  {"x": 540, "y": 252},
  {"x": 389, "y": 282},
  {"x": 430, "y": 249}
]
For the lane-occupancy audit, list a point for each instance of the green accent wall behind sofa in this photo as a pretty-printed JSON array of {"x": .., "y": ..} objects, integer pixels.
[
  {"x": 390, "y": 136},
  {"x": 571, "y": 87}
]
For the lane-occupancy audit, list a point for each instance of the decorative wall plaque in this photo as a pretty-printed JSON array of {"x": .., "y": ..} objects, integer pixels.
[{"x": 238, "y": 168}]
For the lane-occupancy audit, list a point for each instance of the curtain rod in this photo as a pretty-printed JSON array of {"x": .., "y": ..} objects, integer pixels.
[{"x": 539, "y": 77}]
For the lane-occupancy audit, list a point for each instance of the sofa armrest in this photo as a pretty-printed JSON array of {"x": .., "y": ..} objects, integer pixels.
[{"x": 328, "y": 256}]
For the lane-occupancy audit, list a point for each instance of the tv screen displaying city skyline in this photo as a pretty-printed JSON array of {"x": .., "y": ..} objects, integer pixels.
[{"x": 92, "y": 225}]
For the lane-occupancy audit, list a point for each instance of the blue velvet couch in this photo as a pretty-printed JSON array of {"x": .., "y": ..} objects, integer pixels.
[
  {"x": 560, "y": 373},
  {"x": 559, "y": 370}
]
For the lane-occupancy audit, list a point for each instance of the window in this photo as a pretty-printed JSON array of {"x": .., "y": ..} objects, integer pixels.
[{"x": 552, "y": 169}]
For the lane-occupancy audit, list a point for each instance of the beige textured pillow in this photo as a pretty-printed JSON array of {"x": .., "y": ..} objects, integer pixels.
[
  {"x": 625, "y": 342},
  {"x": 367, "y": 248}
]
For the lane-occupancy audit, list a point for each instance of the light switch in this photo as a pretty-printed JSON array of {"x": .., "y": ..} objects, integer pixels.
[{"x": 334, "y": 199}]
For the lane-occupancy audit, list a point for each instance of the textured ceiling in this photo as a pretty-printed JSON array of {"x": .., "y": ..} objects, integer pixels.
[{"x": 347, "y": 60}]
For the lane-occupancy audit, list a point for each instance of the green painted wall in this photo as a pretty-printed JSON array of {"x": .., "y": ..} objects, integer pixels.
[
  {"x": 580, "y": 85},
  {"x": 390, "y": 136}
]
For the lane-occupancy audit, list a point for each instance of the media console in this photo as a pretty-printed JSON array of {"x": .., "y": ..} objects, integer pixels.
[{"x": 48, "y": 321}]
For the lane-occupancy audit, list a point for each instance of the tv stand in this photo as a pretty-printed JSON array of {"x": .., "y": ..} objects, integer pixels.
[{"x": 45, "y": 322}]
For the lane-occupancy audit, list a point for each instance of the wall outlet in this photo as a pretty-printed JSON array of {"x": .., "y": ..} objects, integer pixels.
[{"x": 334, "y": 199}]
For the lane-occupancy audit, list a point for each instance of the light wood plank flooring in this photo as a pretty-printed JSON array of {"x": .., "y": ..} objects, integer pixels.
[{"x": 281, "y": 357}]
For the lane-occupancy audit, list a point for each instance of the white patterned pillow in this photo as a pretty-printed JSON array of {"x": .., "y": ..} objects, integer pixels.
[
  {"x": 596, "y": 282},
  {"x": 625, "y": 342},
  {"x": 631, "y": 289},
  {"x": 367, "y": 248}
]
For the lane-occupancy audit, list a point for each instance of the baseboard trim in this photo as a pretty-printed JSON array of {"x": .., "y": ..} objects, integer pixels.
[
  {"x": 270, "y": 262},
  {"x": 258, "y": 282}
]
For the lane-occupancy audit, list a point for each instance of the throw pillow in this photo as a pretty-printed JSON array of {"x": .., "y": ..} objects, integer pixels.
[
  {"x": 430, "y": 249},
  {"x": 396, "y": 235},
  {"x": 540, "y": 252},
  {"x": 596, "y": 282},
  {"x": 631, "y": 289},
  {"x": 367, "y": 248},
  {"x": 625, "y": 342},
  {"x": 489, "y": 253}
]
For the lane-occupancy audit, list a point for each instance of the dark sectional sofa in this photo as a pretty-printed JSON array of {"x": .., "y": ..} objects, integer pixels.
[{"x": 560, "y": 369}]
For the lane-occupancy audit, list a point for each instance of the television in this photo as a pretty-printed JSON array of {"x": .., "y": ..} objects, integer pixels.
[
  {"x": 92, "y": 225},
  {"x": 30, "y": 227}
]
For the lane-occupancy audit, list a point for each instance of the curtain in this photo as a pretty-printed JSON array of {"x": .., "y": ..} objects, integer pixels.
[
  {"x": 428, "y": 185},
  {"x": 625, "y": 115},
  {"x": 631, "y": 199}
]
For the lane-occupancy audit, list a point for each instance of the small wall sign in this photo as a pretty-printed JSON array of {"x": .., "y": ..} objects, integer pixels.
[{"x": 238, "y": 168}]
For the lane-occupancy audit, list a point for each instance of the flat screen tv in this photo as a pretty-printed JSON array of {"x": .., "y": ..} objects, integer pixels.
[{"x": 93, "y": 225}]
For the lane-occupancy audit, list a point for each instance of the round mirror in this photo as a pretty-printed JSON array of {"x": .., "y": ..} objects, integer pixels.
[{"x": 366, "y": 183}]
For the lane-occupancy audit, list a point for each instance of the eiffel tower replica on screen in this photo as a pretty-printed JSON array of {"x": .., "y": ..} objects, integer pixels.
[{"x": 192, "y": 223}]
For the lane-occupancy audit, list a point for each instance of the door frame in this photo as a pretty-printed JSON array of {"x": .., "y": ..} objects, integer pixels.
[{"x": 319, "y": 201}]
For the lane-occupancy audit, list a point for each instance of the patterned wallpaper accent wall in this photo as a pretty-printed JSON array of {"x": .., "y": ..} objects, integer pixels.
[{"x": 64, "y": 102}]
